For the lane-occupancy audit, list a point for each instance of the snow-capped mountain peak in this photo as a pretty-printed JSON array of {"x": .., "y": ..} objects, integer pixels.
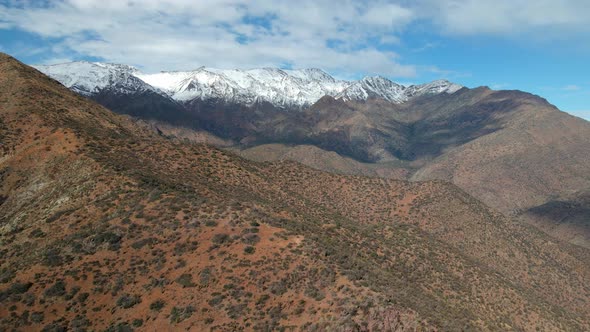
[
  {"x": 88, "y": 78},
  {"x": 381, "y": 87},
  {"x": 311, "y": 74},
  {"x": 373, "y": 87},
  {"x": 279, "y": 87},
  {"x": 283, "y": 88},
  {"x": 434, "y": 87}
]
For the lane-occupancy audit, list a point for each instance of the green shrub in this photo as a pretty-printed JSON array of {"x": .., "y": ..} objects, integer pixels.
[
  {"x": 57, "y": 289},
  {"x": 137, "y": 322},
  {"x": 221, "y": 239},
  {"x": 112, "y": 239},
  {"x": 157, "y": 305},
  {"x": 37, "y": 233},
  {"x": 217, "y": 299},
  {"x": 205, "y": 276},
  {"x": 6, "y": 275},
  {"x": 250, "y": 239},
  {"x": 143, "y": 242},
  {"x": 121, "y": 327},
  {"x": 186, "y": 280},
  {"x": 127, "y": 301},
  {"x": 52, "y": 257},
  {"x": 16, "y": 288},
  {"x": 177, "y": 315},
  {"x": 314, "y": 293},
  {"x": 37, "y": 317},
  {"x": 83, "y": 297}
]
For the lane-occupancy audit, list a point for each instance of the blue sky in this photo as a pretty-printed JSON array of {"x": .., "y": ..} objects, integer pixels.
[{"x": 537, "y": 46}]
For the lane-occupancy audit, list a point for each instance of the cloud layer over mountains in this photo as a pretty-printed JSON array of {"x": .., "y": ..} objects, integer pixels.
[{"x": 345, "y": 37}]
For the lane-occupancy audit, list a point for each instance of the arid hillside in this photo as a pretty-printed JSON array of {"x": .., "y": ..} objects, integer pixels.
[
  {"x": 108, "y": 225},
  {"x": 512, "y": 150}
]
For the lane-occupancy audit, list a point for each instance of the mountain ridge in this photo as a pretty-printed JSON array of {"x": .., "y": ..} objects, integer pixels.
[{"x": 284, "y": 88}]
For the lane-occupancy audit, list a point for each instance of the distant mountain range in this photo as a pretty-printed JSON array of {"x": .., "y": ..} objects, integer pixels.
[{"x": 281, "y": 88}]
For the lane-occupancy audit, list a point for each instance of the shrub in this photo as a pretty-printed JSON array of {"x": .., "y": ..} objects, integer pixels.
[
  {"x": 157, "y": 305},
  {"x": 16, "y": 288},
  {"x": 221, "y": 239},
  {"x": 6, "y": 275},
  {"x": 52, "y": 258},
  {"x": 181, "y": 248},
  {"x": 54, "y": 327},
  {"x": 205, "y": 276},
  {"x": 137, "y": 322},
  {"x": 186, "y": 280},
  {"x": 250, "y": 239},
  {"x": 73, "y": 292},
  {"x": 262, "y": 300},
  {"x": 249, "y": 250},
  {"x": 83, "y": 297},
  {"x": 314, "y": 293},
  {"x": 121, "y": 327},
  {"x": 177, "y": 315},
  {"x": 37, "y": 317},
  {"x": 37, "y": 233},
  {"x": 58, "y": 289},
  {"x": 217, "y": 299},
  {"x": 28, "y": 299},
  {"x": 236, "y": 311},
  {"x": 143, "y": 242},
  {"x": 79, "y": 323},
  {"x": 113, "y": 240},
  {"x": 127, "y": 301},
  {"x": 278, "y": 288},
  {"x": 57, "y": 215}
]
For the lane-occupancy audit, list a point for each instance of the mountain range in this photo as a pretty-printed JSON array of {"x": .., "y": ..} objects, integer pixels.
[
  {"x": 281, "y": 88},
  {"x": 108, "y": 224},
  {"x": 513, "y": 150}
]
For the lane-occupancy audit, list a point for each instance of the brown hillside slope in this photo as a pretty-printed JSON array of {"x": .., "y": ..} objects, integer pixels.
[
  {"x": 538, "y": 155},
  {"x": 106, "y": 226},
  {"x": 510, "y": 149},
  {"x": 317, "y": 158}
]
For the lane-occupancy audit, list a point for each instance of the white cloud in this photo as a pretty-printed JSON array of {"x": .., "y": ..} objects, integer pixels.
[
  {"x": 508, "y": 17},
  {"x": 571, "y": 87},
  {"x": 341, "y": 37},
  {"x": 389, "y": 15},
  {"x": 180, "y": 34}
]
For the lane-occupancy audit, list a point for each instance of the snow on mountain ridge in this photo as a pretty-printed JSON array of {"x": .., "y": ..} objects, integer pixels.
[
  {"x": 434, "y": 87},
  {"x": 88, "y": 78},
  {"x": 277, "y": 86},
  {"x": 284, "y": 88},
  {"x": 374, "y": 87},
  {"x": 381, "y": 87}
]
